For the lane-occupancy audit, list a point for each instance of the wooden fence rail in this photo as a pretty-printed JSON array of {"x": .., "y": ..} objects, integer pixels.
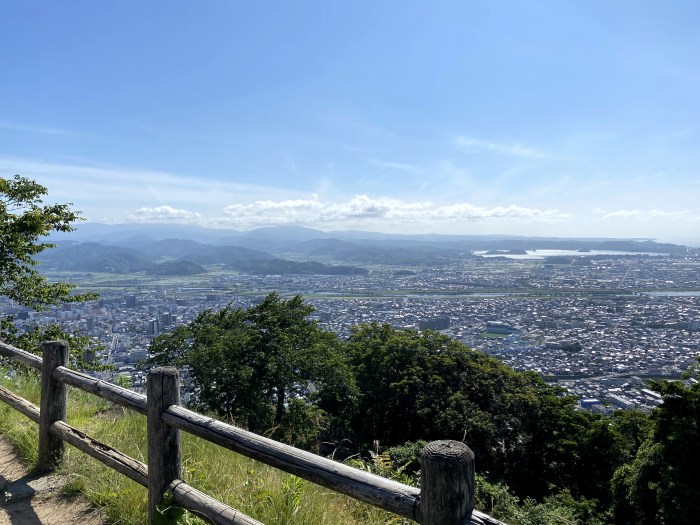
[{"x": 446, "y": 496}]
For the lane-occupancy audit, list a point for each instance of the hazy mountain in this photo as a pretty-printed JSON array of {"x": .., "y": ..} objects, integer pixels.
[
  {"x": 213, "y": 246},
  {"x": 286, "y": 233},
  {"x": 321, "y": 247},
  {"x": 175, "y": 248},
  {"x": 254, "y": 243},
  {"x": 97, "y": 257},
  {"x": 359, "y": 253},
  {"x": 177, "y": 268},
  {"x": 197, "y": 252},
  {"x": 208, "y": 254},
  {"x": 94, "y": 257},
  {"x": 113, "y": 233},
  {"x": 275, "y": 238}
]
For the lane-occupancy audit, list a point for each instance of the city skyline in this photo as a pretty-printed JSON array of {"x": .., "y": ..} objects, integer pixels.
[{"x": 541, "y": 119}]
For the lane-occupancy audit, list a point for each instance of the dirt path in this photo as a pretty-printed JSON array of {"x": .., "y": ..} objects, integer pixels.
[{"x": 34, "y": 500}]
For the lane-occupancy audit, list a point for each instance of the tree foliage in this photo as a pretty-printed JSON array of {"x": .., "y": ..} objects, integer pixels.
[
  {"x": 661, "y": 484},
  {"x": 24, "y": 221},
  {"x": 386, "y": 391},
  {"x": 251, "y": 364},
  {"x": 425, "y": 385},
  {"x": 81, "y": 346}
]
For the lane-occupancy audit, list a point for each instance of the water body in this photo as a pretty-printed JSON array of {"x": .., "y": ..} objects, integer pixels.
[{"x": 541, "y": 254}]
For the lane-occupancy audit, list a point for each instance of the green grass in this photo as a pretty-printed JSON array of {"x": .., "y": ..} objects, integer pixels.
[{"x": 267, "y": 494}]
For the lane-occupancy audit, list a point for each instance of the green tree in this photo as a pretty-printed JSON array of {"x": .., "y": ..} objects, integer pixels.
[
  {"x": 424, "y": 386},
  {"x": 661, "y": 485},
  {"x": 252, "y": 364},
  {"x": 428, "y": 386},
  {"x": 633, "y": 428},
  {"x": 25, "y": 222},
  {"x": 31, "y": 340},
  {"x": 567, "y": 449}
]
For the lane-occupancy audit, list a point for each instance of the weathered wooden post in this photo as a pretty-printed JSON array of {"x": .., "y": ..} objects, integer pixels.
[
  {"x": 164, "y": 451},
  {"x": 53, "y": 405},
  {"x": 446, "y": 483}
]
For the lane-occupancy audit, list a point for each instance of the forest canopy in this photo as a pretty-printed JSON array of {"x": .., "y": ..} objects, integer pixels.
[{"x": 273, "y": 370}]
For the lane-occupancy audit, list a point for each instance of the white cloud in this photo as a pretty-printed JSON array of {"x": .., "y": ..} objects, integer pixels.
[
  {"x": 363, "y": 209},
  {"x": 473, "y": 145},
  {"x": 643, "y": 215},
  {"x": 469, "y": 211},
  {"x": 164, "y": 214}
]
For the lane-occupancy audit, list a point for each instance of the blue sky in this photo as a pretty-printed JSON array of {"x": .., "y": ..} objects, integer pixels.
[{"x": 528, "y": 118}]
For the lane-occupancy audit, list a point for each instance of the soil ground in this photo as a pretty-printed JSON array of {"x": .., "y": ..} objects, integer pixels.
[{"x": 27, "y": 499}]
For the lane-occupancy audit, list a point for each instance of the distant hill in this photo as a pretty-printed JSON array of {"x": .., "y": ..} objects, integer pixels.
[
  {"x": 94, "y": 257},
  {"x": 136, "y": 247},
  {"x": 208, "y": 254},
  {"x": 187, "y": 249},
  {"x": 285, "y": 234},
  {"x": 357, "y": 253},
  {"x": 175, "y": 268},
  {"x": 322, "y": 247},
  {"x": 175, "y": 248},
  {"x": 114, "y": 233},
  {"x": 279, "y": 239}
]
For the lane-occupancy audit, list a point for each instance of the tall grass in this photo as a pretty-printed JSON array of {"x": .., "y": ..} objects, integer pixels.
[{"x": 267, "y": 494}]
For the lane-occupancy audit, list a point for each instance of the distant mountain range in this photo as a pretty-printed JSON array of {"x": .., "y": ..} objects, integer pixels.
[{"x": 163, "y": 249}]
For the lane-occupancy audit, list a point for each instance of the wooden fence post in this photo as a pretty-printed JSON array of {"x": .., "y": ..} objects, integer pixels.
[
  {"x": 446, "y": 483},
  {"x": 164, "y": 451},
  {"x": 53, "y": 405}
]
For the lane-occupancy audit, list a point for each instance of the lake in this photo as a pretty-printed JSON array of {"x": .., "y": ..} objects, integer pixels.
[{"x": 541, "y": 254}]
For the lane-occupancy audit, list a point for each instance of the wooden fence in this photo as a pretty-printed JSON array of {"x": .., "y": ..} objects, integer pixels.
[{"x": 446, "y": 496}]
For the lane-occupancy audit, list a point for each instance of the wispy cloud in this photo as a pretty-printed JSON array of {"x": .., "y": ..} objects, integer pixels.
[
  {"x": 643, "y": 215},
  {"x": 289, "y": 163},
  {"x": 400, "y": 166},
  {"x": 474, "y": 145},
  {"x": 106, "y": 193},
  {"x": 35, "y": 128},
  {"x": 125, "y": 182}
]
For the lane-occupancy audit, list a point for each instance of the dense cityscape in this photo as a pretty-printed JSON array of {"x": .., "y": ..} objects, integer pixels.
[{"x": 597, "y": 324}]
